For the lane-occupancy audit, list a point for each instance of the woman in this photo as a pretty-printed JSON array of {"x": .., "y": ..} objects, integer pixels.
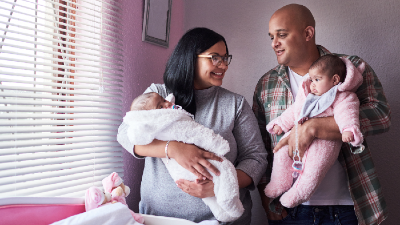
[{"x": 193, "y": 74}]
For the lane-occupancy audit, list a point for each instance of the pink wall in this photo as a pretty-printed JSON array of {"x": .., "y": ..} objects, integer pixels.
[{"x": 144, "y": 64}]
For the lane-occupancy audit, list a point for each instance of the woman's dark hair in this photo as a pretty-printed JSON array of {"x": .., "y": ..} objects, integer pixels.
[{"x": 180, "y": 70}]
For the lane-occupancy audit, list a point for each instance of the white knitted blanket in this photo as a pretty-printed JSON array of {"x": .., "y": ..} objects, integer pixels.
[{"x": 142, "y": 127}]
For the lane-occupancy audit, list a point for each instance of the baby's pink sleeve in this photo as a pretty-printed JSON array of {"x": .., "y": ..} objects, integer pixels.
[
  {"x": 346, "y": 114},
  {"x": 286, "y": 119}
]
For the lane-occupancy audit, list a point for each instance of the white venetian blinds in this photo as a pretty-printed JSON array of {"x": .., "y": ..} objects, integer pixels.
[{"x": 60, "y": 95}]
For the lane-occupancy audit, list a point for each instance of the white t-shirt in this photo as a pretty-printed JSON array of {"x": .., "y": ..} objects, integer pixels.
[
  {"x": 295, "y": 81},
  {"x": 333, "y": 189}
]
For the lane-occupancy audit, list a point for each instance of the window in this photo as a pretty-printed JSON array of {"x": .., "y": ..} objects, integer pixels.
[{"x": 60, "y": 96}]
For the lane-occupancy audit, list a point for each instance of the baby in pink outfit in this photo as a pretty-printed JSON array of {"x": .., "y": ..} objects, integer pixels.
[{"x": 322, "y": 95}]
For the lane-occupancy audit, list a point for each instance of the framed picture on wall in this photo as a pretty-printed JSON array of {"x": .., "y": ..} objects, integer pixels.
[{"x": 156, "y": 22}]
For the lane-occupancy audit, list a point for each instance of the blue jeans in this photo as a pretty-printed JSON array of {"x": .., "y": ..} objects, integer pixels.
[{"x": 319, "y": 215}]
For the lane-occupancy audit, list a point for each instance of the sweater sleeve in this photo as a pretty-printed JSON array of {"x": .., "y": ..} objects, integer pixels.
[{"x": 252, "y": 156}]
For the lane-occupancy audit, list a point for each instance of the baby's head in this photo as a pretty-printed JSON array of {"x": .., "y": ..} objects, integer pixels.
[
  {"x": 326, "y": 72},
  {"x": 150, "y": 101}
]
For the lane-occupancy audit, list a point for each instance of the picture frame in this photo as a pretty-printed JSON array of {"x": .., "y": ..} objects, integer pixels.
[{"x": 156, "y": 22}]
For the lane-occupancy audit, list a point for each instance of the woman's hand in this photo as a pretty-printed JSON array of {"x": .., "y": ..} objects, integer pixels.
[
  {"x": 193, "y": 159},
  {"x": 199, "y": 188}
]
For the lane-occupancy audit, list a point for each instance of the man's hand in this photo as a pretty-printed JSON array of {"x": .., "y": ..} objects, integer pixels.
[
  {"x": 305, "y": 136},
  {"x": 275, "y": 216},
  {"x": 265, "y": 203},
  {"x": 323, "y": 128}
]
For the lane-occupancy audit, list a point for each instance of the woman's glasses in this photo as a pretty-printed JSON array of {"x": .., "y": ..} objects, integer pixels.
[{"x": 217, "y": 59}]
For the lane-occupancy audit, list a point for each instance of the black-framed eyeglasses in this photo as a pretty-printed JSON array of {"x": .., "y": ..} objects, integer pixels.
[{"x": 217, "y": 59}]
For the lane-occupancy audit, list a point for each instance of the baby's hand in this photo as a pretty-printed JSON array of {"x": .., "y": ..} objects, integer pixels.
[
  {"x": 347, "y": 136},
  {"x": 277, "y": 129}
]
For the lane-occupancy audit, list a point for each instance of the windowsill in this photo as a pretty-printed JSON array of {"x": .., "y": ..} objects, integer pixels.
[{"x": 40, "y": 200}]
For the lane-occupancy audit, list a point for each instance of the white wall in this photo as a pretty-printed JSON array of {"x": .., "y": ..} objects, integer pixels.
[{"x": 367, "y": 28}]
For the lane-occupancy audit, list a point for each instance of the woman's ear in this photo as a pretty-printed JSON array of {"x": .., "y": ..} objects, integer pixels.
[{"x": 336, "y": 79}]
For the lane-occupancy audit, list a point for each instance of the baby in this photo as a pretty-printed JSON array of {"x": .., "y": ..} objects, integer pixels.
[
  {"x": 321, "y": 95},
  {"x": 153, "y": 117},
  {"x": 153, "y": 100}
]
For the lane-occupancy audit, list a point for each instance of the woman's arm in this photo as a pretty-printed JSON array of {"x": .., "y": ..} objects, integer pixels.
[
  {"x": 188, "y": 156},
  {"x": 251, "y": 158},
  {"x": 244, "y": 180}
]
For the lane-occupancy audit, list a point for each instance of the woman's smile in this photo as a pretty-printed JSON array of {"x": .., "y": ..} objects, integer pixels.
[{"x": 207, "y": 74}]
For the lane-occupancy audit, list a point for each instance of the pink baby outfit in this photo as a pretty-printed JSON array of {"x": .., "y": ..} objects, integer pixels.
[{"x": 321, "y": 154}]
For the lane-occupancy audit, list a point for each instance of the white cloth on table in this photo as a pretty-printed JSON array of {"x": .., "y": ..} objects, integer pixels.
[
  {"x": 109, "y": 214},
  {"x": 209, "y": 222}
]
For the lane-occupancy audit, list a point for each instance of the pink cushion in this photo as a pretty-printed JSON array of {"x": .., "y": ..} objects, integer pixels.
[{"x": 38, "y": 214}]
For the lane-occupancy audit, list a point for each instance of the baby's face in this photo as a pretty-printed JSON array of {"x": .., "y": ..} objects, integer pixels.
[
  {"x": 158, "y": 102},
  {"x": 320, "y": 83}
]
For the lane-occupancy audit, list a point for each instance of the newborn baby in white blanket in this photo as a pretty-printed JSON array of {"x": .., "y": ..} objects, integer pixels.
[{"x": 146, "y": 123}]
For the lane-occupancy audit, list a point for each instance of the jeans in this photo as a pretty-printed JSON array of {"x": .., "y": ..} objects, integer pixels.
[{"x": 319, "y": 215}]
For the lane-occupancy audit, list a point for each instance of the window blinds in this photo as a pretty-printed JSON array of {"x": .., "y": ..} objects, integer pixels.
[{"x": 60, "y": 95}]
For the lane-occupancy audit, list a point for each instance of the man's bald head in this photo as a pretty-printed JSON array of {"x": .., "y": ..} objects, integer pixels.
[
  {"x": 299, "y": 15},
  {"x": 292, "y": 33}
]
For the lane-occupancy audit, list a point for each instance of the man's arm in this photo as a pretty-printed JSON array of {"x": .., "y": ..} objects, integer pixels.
[
  {"x": 322, "y": 128},
  {"x": 375, "y": 113}
]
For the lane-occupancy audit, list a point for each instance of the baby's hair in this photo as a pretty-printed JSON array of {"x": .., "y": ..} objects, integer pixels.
[
  {"x": 331, "y": 65},
  {"x": 140, "y": 102}
]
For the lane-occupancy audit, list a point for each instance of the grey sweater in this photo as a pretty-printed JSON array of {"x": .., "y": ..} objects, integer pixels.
[{"x": 229, "y": 115}]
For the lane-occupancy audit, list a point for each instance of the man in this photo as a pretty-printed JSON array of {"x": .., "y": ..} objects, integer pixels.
[{"x": 350, "y": 192}]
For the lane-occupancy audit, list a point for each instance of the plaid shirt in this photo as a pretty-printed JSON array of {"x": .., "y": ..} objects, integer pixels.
[{"x": 273, "y": 95}]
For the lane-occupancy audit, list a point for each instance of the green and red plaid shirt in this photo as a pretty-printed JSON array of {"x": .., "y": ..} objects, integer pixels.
[{"x": 272, "y": 96}]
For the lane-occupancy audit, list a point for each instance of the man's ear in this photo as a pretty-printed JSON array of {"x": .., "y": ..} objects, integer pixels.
[
  {"x": 310, "y": 32},
  {"x": 336, "y": 79}
]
